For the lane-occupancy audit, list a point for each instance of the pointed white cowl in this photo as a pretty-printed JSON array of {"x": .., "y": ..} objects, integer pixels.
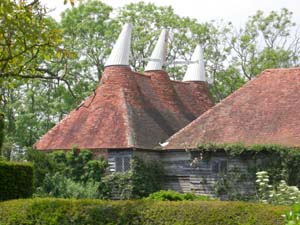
[
  {"x": 158, "y": 58},
  {"x": 120, "y": 52},
  {"x": 196, "y": 70}
]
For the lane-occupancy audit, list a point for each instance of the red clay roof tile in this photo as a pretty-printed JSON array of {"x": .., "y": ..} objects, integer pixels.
[
  {"x": 266, "y": 110},
  {"x": 129, "y": 110}
]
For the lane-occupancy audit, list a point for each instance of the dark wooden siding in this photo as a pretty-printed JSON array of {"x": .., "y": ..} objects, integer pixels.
[{"x": 184, "y": 176}]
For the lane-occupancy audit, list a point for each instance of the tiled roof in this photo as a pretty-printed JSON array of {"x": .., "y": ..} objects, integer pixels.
[
  {"x": 266, "y": 110},
  {"x": 129, "y": 110}
]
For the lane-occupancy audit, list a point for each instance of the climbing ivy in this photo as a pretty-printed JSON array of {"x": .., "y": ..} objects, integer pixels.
[
  {"x": 281, "y": 162},
  {"x": 143, "y": 179}
]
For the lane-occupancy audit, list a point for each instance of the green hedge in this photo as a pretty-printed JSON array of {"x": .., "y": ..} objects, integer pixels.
[
  {"x": 170, "y": 195},
  {"x": 60, "y": 211},
  {"x": 16, "y": 180},
  {"x": 1, "y": 131}
]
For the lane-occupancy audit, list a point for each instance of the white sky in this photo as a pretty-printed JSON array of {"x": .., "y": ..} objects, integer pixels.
[{"x": 236, "y": 11}]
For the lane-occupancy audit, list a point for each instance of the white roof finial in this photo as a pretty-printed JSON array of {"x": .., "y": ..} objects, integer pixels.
[
  {"x": 159, "y": 54},
  {"x": 120, "y": 52},
  {"x": 196, "y": 70}
]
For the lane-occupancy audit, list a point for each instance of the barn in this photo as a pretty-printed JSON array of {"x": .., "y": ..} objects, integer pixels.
[
  {"x": 131, "y": 113},
  {"x": 264, "y": 112},
  {"x": 155, "y": 118}
]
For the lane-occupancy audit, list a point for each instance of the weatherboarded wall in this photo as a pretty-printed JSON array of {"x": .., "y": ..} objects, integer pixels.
[{"x": 213, "y": 173}]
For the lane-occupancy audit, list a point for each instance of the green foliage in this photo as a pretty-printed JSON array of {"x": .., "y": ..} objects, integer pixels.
[
  {"x": 146, "y": 177},
  {"x": 89, "y": 31},
  {"x": 67, "y": 174},
  {"x": 293, "y": 217},
  {"x": 228, "y": 186},
  {"x": 1, "y": 131},
  {"x": 116, "y": 186},
  {"x": 280, "y": 162},
  {"x": 41, "y": 165},
  {"x": 170, "y": 195},
  {"x": 264, "y": 43},
  {"x": 143, "y": 179},
  {"x": 57, "y": 185},
  {"x": 60, "y": 212},
  {"x": 236, "y": 149},
  {"x": 69, "y": 56},
  {"x": 27, "y": 40},
  {"x": 16, "y": 180},
  {"x": 79, "y": 165},
  {"x": 282, "y": 194},
  {"x": 262, "y": 180}
]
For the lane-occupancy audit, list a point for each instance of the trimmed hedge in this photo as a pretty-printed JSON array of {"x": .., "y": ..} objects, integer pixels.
[
  {"x": 61, "y": 211},
  {"x": 16, "y": 180}
]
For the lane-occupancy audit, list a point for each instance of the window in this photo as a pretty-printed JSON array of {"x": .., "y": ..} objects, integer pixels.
[
  {"x": 219, "y": 166},
  {"x": 120, "y": 164}
]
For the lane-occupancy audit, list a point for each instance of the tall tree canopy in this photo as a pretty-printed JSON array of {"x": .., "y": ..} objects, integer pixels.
[{"x": 29, "y": 42}]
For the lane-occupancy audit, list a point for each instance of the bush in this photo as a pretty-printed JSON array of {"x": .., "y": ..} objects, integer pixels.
[
  {"x": 144, "y": 178},
  {"x": 1, "y": 131},
  {"x": 72, "y": 174},
  {"x": 59, "y": 186},
  {"x": 293, "y": 217},
  {"x": 16, "y": 180},
  {"x": 170, "y": 195},
  {"x": 116, "y": 186},
  {"x": 60, "y": 211},
  {"x": 282, "y": 194}
]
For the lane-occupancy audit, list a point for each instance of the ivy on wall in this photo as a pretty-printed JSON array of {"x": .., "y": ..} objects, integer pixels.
[
  {"x": 143, "y": 179},
  {"x": 281, "y": 163}
]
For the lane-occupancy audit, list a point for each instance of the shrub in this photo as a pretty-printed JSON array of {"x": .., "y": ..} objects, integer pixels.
[
  {"x": 58, "y": 186},
  {"x": 60, "y": 212},
  {"x": 116, "y": 186},
  {"x": 1, "y": 131},
  {"x": 146, "y": 177},
  {"x": 143, "y": 178},
  {"x": 16, "y": 180},
  {"x": 282, "y": 194},
  {"x": 293, "y": 217},
  {"x": 72, "y": 174},
  {"x": 170, "y": 195}
]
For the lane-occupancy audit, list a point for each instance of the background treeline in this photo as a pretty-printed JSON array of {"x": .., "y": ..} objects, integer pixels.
[{"x": 66, "y": 58}]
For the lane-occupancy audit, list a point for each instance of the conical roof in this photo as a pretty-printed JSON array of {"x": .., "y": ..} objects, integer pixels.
[
  {"x": 120, "y": 52},
  {"x": 157, "y": 60},
  {"x": 196, "y": 69},
  {"x": 266, "y": 110}
]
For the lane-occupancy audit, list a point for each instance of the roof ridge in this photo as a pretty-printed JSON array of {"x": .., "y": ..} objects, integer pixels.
[
  {"x": 130, "y": 131},
  {"x": 218, "y": 105}
]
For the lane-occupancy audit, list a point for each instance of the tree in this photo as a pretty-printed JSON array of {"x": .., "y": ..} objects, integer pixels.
[
  {"x": 31, "y": 47},
  {"x": 71, "y": 174},
  {"x": 89, "y": 32},
  {"x": 29, "y": 42},
  {"x": 265, "y": 42},
  {"x": 147, "y": 21},
  {"x": 72, "y": 54}
]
